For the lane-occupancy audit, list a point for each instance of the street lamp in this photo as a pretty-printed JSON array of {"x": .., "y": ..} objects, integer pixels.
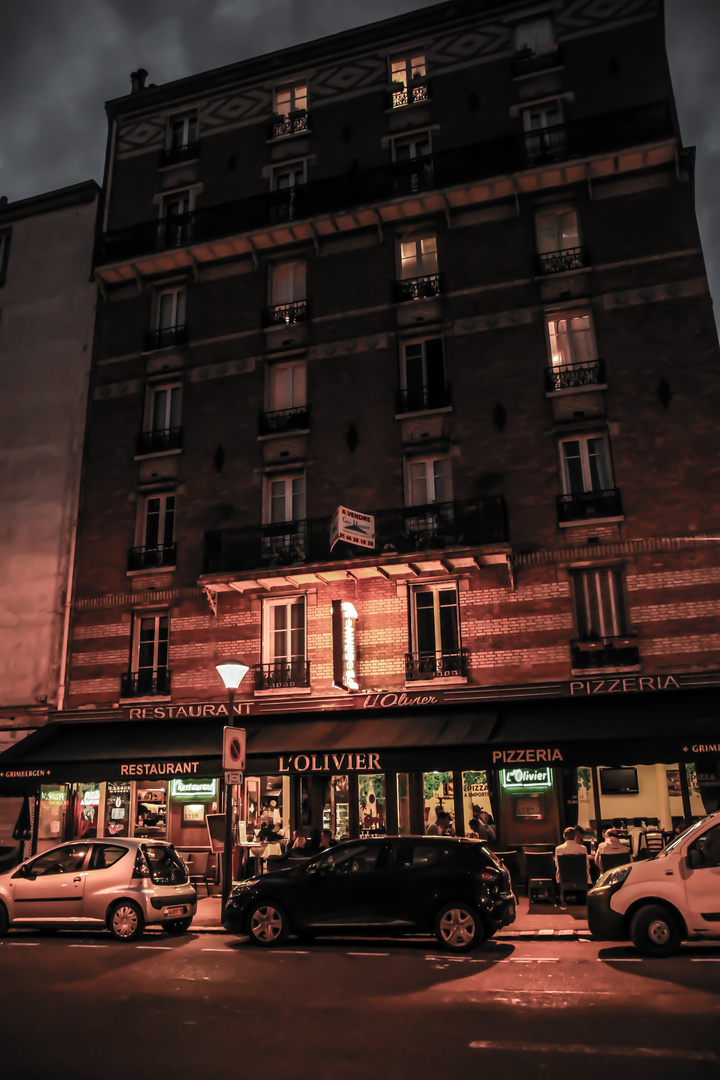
[{"x": 232, "y": 673}]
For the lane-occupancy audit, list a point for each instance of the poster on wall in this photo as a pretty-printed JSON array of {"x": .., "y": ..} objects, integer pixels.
[{"x": 673, "y": 781}]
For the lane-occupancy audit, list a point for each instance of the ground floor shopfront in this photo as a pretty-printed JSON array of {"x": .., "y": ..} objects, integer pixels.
[{"x": 388, "y": 765}]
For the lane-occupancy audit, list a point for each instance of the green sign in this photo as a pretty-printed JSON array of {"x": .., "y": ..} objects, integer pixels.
[
  {"x": 521, "y": 779},
  {"x": 193, "y": 787}
]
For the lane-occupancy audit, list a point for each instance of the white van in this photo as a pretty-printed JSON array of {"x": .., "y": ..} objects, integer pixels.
[{"x": 673, "y": 897}]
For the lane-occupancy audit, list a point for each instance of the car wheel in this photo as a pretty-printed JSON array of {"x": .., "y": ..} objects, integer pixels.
[
  {"x": 654, "y": 931},
  {"x": 4, "y": 921},
  {"x": 125, "y": 921},
  {"x": 458, "y": 927},
  {"x": 267, "y": 924},
  {"x": 177, "y": 926}
]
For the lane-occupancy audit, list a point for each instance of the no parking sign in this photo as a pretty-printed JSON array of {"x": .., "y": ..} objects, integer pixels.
[{"x": 234, "y": 749}]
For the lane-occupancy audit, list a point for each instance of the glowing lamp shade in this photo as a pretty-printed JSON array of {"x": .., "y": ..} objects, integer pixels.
[{"x": 232, "y": 673}]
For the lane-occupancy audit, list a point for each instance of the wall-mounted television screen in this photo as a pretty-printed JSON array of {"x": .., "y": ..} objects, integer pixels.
[{"x": 619, "y": 781}]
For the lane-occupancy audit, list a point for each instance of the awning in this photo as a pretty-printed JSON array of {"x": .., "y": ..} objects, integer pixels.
[{"x": 639, "y": 729}]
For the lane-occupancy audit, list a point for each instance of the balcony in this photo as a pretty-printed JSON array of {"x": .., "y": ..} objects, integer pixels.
[
  {"x": 422, "y": 399},
  {"x": 412, "y": 176},
  {"x": 295, "y": 123},
  {"x": 166, "y": 337},
  {"x": 419, "y": 288},
  {"x": 558, "y": 262},
  {"x": 466, "y": 166},
  {"x": 282, "y": 421},
  {"x": 586, "y": 505},
  {"x": 176, "y": 155},
  {"x": 573, "y": 376},
  {"x": 607, "y": 652},
  {"x": 546, "y": 144},
  {"x": 416, "y": 92},
  {"x": 147, "y": 558},
  {"x": 146, "y": 683},
  {"x": 421, "y": 666},
  {"x": 527, "y": 62},
  {"x": 159, "y": 441},
  {"x": 282, "y": 675},
  {"x": 466, "y": 523},
  {"x": 283, "y": 314}
]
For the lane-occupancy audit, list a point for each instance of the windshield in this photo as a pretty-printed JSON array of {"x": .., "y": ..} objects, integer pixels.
[
  {"x": 166, "y": 866},
  {"x": 679, "y": 839}
]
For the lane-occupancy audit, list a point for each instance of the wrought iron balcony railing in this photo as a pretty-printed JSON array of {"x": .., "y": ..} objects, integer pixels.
[
  {"x": 418, "y": 288},
  {"x": 145, "y": 683},
  {"x": 282, "y": 675},
  {"x": 411, "y": 95},
  {"x": 292, "y": 124},
  {"x": 435, "y": 665},
  {"x": 571, "y": 376},
  {"x": 415, "y": 175},
  {"x": 282, "y": 314},
  {"x": 599, "y": 134},
  {"x": 175, "y": 155},
  {"x": 162, "y": 439},
  {"x": 436, "y": 526},
  {"x": 421, "y": 398},
  {"x": 593, "y": 653},
  {"x": 557, "y": 262},
  {"x": 166, "y": 337},
  {"x": 586, "y": 505},
  {"x": 546, "y": 144},
  {"x": 147, "y": 558},
  {"x": 282, "y": 420},
  {"x": 527, "y": 62}
]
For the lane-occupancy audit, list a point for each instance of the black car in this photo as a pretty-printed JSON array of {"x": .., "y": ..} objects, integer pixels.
[{"x": 455, "y": 889}]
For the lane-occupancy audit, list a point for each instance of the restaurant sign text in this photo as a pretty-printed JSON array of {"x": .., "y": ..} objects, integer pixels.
[
  {"x": 627, "y": 684},
  {"x": 337, "y": 763}
]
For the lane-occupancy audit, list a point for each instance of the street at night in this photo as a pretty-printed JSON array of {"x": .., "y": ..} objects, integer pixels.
[{"x": 210, "y": 1005}]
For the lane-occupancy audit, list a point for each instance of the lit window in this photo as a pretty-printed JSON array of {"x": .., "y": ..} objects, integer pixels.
[
  {"x": 149, "y": 660},
  {"x": 418, "y": 258},
  {"x": 408, "y": 77},
  {"x": 570, "y": 338}
]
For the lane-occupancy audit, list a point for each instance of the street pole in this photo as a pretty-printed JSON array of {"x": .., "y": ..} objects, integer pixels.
[{"x": 228, "y": 845}]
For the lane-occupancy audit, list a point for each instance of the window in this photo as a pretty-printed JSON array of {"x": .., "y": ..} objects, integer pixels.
[
  {"x": 156, "y": 533},
  {"x": 558, "y": 240},
  {"x": 544, "y": 134},
  {"x": 571, "y": 338},
  {"x": 181, "y": 138},
  {"x": 599, "y": 603},
  {"x": 418, "y": 268},
  {"x": 422, "y": 376},
  {"x": 4, "y": 254},
  {"x": 285, "y": 179},
  {"x": 435, "y": 633},
  {"x": 428, "y": 480},
  {"x": 285, "y": 398},
  {"x": 284, "y": 644},
  {"x": 283, "y": 539},
  {"x": 586, "y": 464},
  {"x": 175, "y": 228},
  {"x": 161, "y": 428},
  {"x": 409, "y": 83},
  {"x": 285, "y": 499},
  {"x": 291, "y": 104},
  {"x": 287, "y": 292},
  {"x": 169, "y": 326},
  {"x": 536, "y": 36},
  {"x": 413, "y": 163},
  {"x": 149, "y": 659}
]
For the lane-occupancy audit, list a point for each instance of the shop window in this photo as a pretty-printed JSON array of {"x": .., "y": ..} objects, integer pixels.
[
  {"x": 417, "y": 269},
  {"x": 151, "y": 810},
  {"x": 287, "y": 293},
  {"x": 161, "y": 423},
  {"x": 52, "y": 815},
  {"x": 403, "y": 804},
  {"x": 284, "y": 645},
  {"x": 117, "y": 808},
  {"x": 435, "y": 634},
  {"x": 408, "y": 75},
  {"x": 372, "y": 803},
  {"x": 439, "y": 802},
  {"x": 85, "y": 810},
  {"x": 149, "y": 674},
  {"x": 422, "y": 376},
  {"x": 336, "y": 808},
  {"x": 476, "y": 797}
]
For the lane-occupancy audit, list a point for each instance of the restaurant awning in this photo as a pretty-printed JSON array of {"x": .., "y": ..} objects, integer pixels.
[{"x": 627, "y": 729}]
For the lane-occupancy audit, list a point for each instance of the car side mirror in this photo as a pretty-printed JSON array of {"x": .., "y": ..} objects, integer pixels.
[
  {"x": 313, "y": 870},
  {"x": 25, "y": 872}
]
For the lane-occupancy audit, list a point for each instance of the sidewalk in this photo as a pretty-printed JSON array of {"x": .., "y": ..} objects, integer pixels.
[{"x": 542, "y": 920}]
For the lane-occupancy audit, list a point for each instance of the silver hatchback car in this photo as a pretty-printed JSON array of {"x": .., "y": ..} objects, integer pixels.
[{"x": 124, "y": 885}]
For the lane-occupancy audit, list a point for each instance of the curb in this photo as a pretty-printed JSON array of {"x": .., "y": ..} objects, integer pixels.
[{"x": 569, "y": 935}]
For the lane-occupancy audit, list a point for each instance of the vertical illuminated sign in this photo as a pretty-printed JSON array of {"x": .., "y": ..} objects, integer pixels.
[{"x": 344, "y": 618}]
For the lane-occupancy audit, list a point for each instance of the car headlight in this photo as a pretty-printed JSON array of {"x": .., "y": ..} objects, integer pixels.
[
  {"x": 243, "y": 886},
  {"x": 614, "y": 878}
]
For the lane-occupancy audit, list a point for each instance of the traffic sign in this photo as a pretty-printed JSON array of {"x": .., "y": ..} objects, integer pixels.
[
  {"x": 234, "y": 777},
  {"x": 234, "y": 749}
]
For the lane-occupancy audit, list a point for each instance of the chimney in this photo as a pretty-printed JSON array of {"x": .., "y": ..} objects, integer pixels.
[{"x": 137, "y": 80}]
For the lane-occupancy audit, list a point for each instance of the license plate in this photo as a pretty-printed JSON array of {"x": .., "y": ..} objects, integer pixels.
[{"x": 174, "y": 910}]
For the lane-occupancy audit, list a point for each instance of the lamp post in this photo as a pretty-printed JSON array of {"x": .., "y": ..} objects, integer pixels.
[{"x": 232, "y": 673}]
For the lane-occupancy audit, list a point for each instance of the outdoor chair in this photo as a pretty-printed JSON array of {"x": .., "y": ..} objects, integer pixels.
[
  {"x": 540, "y": 874},
  {"x": 572, "y": 875},
  {"x": 512, "y": 863},
  {"x": 198, "y": 864},
  {"x": 654, "y": 840},
  {"x": 618, "y": 858}
]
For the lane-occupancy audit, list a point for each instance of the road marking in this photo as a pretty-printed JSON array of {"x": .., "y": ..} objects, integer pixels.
[
  {"x": 619, "y": 960},
  {"x": 611, "y": 1051},
  {"x": 157, "y": 948},
  {"x": 24, "y": 944},
  {"x": 535, "y": 960},
  {"x": 291, "y": 952},
  {"x": 705, "y": 959},
  {"x": 87, "y": 946},
  {"x": 217, "y": 950},
  {"x": 367, "y": 954}
]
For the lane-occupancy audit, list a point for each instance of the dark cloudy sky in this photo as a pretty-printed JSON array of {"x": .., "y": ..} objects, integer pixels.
[{"x": 61, "y": 59}]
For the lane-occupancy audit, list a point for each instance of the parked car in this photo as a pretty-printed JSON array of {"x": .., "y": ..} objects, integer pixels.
[
  {"x": 452, "y": 888},
  {"x": 658, "y": 903},
  {"x": 124, "y": 885}
]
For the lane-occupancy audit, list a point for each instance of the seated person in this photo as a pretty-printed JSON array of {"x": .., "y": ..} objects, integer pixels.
[
  {"x": 299, "y": 848},
  {"x": 611, "y": 845},
  {"x": 326, "y": 840},
  {"x": 572, "y": 846}
]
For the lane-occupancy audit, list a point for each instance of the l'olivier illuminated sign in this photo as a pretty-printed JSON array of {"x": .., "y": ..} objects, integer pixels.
[
  {"x": 521, "y": 779},
  {"x": 344, "y": 618}
]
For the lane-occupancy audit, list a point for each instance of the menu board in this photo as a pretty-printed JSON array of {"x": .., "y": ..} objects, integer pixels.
[{"x": 117, "y": 808}]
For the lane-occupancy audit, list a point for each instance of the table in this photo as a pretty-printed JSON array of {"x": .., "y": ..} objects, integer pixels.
[{"x": 261, "y": 850}]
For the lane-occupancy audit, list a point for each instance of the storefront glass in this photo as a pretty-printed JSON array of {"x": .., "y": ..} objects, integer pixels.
[
  {"x": 336, "y": 809},
  {"x": 151, "y": 810},
  {"x": 403, "y": 804},
  {"x": 438, "y": 795},
  {"x": 53, "y": 814},
  {"x": 86, "y": 807},
  {"x": 117, "y": 808},
  {"x": 476, "y": 797},
  {"x": 371, "y": 797}
]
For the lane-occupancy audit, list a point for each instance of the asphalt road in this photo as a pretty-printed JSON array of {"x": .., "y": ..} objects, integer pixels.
[{"x": 213, "y": 1007}]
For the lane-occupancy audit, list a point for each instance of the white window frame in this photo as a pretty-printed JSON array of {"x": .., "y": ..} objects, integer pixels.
[
  {"x": 269, "y": 638},
  {"x": 294, "y": 497},
  {"x": 540, "y": 139},
  {"x": 177, "y": 307},
  {"x": 423, "y": 262},
  {"x": 188, "y": 124},
  {"x": 154, "y": 390},
  {"x": 599, "y": 594},
  {"x": 297, "y": 168},
  {"x": 435, "y": 589},
  {"x": 167, "y": 511},
  {"x": 586, "y": 456},
  {"x": 295, "y": 91},
  {"x": 414, "y": 140},
  {"x": 295, "y": 274},
  {"x": 421, "y": 343},
  {"x": 432, "y": 475},
  {"x": 156, "y": 617},
  {"x": 570, "y": 345},
  {"x": 296, "y": 373},
  {"x": 407, "y": 70},
  {"x": 561, "y": 240},
  {"x": 183, "y": 196}
]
